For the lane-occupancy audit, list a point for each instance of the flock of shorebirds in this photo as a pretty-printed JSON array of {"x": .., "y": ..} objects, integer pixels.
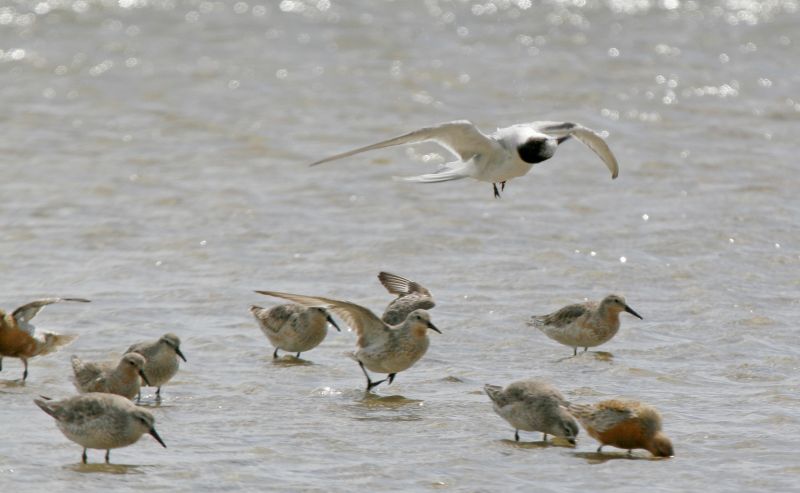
[{"x": 103, "y": 416}]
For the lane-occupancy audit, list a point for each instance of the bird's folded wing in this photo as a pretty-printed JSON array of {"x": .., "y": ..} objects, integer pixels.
[
  {"x": 366, "y": 324},
  {"x": 601, "y": 418},
  {"x": 462, "y": 138},
  {"x": 564, "y": 316}
]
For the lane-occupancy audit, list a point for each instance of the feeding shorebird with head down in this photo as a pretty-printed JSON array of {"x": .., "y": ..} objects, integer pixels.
[
  {"x": 624, "y": 424},
  {"x": 533, "y": 405}
]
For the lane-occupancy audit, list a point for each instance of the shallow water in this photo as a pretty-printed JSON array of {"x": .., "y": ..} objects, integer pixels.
[{"x": 153, "y": 157}]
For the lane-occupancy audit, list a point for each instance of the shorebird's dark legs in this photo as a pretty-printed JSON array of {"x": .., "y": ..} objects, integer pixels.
[
  {"x": 108, "y": 456},
  {"x": 83, "y": 457},
  {"x": 516, "y": 435},
  {"x": 275, "y": 354},
  {"x": 496, "y": 191},
  {"x": 370, "y": 383}
]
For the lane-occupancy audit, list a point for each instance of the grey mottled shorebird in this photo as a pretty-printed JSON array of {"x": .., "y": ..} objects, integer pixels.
[
  {"x": 410, "y": 296},
  {"x": 508, "y": 153},
  {"x": 586, "y": 324},
  {"x": 18, "y": 336},
  {"x": 292, "y": 327},
  {"x": 122, "y": 379},
  {"x": 100, "y": 421},
  {"x": 161, "y": 358},
  {"x": 380, "y": 347},
  {"x": 624, "y": 424},
  {"x": 533, "y": 405}
]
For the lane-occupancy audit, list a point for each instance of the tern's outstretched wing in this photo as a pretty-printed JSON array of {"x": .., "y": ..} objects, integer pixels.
[
  {"x": 367, "y": 325},
  {"x": 462, "y": 138},
  {"x": 586, "y": 135}
]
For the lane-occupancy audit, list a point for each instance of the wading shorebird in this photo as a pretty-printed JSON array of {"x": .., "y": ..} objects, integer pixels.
[
  {"x": 410, "y": 296},
  {"x": 624, "y": 424},
  {"x": 161, "y": 359},
  {"x": 18, "y": 337},
  {"x": 292, "y": 327},
  {"x": 100, "y": 421},
  {"x": 533, "y": 405},
  {"x": 122, "y": 379},
  {"x": 381, "y": 347},
  {"x": 508, "y": 153},
  {"x": 584, "y": 325}
]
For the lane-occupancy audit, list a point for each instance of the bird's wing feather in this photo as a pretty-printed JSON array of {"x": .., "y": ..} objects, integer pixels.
[
  {"x": 366, "y": 324},
  {"x": 596, "y": 143},
  {"x": 562, "y": 317},
  {"x": 589, "y": 137},
  {"x": 26, "y": 312},
  {"x": 600, "y": 417},
  {"x": 400, "y": 285},
  {"x": 462, "y": 138}
]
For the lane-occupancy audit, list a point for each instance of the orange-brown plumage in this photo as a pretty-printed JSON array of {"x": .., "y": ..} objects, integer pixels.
[
  {"x": 14, "y": 342},
  {"x": 18, "y": 338},
  {"x": 624, "y": 424}
]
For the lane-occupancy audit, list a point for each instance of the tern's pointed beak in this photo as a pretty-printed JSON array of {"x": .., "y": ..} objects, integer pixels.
[
  {"x": 330, "y": 321},
  {"x": 158, "y": 438},
  {"x": 433, "y": 327},
  {"x": 179, "y": 353},
  {"x": 630, "y": 310},
  {"x": 144, "y": 378}
]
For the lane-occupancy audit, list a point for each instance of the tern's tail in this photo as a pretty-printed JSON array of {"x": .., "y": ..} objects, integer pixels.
[{"x": 451, "y": 171}]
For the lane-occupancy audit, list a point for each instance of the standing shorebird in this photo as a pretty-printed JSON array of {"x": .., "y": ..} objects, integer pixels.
[
  {"x": 584, "y": 324},
  {"x": 508, "y": 153},
  {"x": 18, "y": 337},
  {"x": 533, "y": 405},
  {"x": 122, "y": 379},
  {"x": 161, "y": 359},
  {"x": 381, "y": 347},
  {"x": 624, "y": 424},
  {"x": 410, "y": 296},
  {"x": 292, "y": 327},
  {"x": 100, "y": 421}
]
